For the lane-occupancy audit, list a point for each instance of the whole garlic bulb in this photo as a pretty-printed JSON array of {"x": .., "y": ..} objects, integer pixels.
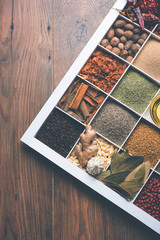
[{"x": 95, "y": 166}]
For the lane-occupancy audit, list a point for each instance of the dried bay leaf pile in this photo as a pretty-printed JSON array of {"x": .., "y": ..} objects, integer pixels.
[{"x": 126, "y": 175}]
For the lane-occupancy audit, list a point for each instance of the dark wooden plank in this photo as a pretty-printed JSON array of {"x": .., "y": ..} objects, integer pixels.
[
  {"x": 80, "y": 213},
  {"x": 26, "y": 82}
]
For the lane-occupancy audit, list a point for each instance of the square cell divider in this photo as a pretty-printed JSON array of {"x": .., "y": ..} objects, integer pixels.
[{"x": 102, "y": 88}]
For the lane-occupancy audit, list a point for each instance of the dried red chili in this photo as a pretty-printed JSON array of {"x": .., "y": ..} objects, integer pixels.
[
  {"x": 103, "y": 70},
  {"x": 147, "y": 11}
]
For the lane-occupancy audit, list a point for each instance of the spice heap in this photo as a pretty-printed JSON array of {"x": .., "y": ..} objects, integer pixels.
[
  {"x": 149, "y": 59},
  {"x": 105, "y": 151},
  {"x": 126, "y": 175},
  {"x": 124, "y": 39},
  {"x": 103, "y": 70},
  {"x": 81, "y": 101},
  {"x": 144, "y": 12},
  {"x": 59, "y": 132},
  {"x": 145, "y": 141},
  {"x": 114, "y": 121},
  {"x": 129, "y": 13},
  {"x": 149, "y": 198},
  {"x": 135, "y": 90}
]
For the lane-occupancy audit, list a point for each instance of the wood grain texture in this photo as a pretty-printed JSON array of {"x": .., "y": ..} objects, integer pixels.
[
  {"x": 37, "y": 199},
  {"x": 26, "y": 82}
]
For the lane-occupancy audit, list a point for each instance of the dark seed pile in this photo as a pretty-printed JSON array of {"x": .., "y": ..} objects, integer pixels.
[
  {"x": 114, "y": 122},
  {"x": 60, "y": 132}
]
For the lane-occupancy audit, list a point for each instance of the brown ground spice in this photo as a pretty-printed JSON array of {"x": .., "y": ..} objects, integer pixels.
[
  {"x": 145, "y": 141},
  {"x": 148, "y": 59}
]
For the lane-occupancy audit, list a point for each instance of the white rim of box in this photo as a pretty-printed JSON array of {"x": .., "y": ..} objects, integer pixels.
[{"x": 29, "y": 136}]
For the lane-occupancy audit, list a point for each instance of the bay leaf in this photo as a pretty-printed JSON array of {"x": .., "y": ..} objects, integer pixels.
[
  {"x": 103, "y": 175},
  {"x": 133, "y": 186},
  {"x": 119, "y": 190},
  {"x": 131, "y": 176},
  {"x": 128, "y": 164},
  {"x": 116, "y": 178},
  {"x": 141, "y": 170},
  {"x": 117, "y": 159},
  {"x": 148, "y": 167},
  {"x": 126, "y": 175}
]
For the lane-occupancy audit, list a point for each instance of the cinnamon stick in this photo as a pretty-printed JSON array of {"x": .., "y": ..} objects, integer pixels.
[
  {"x": 100, "y": 99},
  {"x": 91, "y": 96},
  {"x": 66, "y": 97},
  {"x": 79, "y": 96},
  {"x": 91, "y": 115},
  {"x": 84, "y": 109},
  {"x": 92, "y": 91},
  {"x": 90, "y": 100}
]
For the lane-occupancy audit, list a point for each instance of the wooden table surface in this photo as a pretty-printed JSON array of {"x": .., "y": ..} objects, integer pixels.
[{"x": 39, "y": 40}]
